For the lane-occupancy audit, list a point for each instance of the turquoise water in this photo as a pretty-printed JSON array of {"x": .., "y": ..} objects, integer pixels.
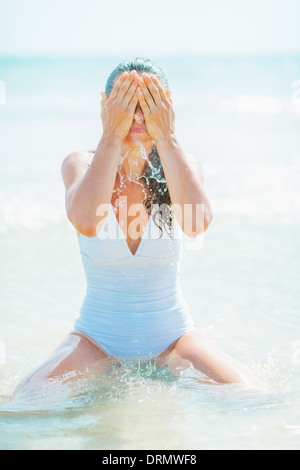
[{"x": 241, "y": 117}]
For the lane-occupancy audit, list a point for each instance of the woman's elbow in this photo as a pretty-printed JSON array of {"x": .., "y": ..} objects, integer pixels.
[
  {"x": 87, "y": 231},
  {"x": 208, "y": 217},
  {"x": 83, "y": 226},
  {"x": 201, "y": 225}
]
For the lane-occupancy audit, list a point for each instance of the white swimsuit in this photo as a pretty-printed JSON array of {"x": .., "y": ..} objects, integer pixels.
[{"x": 134, "y": 306}]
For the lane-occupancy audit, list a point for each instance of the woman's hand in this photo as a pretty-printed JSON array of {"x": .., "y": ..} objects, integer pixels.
[
  {"x": 118, "y": 108},
  {"x": 157, "y": 108}
]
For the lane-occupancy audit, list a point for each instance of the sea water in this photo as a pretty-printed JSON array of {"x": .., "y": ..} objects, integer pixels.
[{"x": 241, "y": 117}]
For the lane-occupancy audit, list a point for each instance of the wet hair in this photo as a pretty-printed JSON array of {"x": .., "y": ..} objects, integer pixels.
[
  {"x": 153, "y": 174},
  {"x": 140, "y": 65}
]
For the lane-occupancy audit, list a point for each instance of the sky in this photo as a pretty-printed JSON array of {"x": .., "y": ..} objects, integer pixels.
[{"x": 81, "y": 27}]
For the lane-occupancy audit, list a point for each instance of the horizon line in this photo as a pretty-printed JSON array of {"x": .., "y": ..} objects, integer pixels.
[{"x": 165, "y": 55}]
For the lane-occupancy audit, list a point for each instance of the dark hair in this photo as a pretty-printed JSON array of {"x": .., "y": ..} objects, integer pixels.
[
  {"x": 153, "y": 173},
  {"x": 140, "y": 65}
]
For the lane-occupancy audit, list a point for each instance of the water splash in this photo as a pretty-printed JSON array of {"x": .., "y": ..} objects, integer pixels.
[
  {"x": 154, "y": 172},
  {"x": 122, "y": 382}
]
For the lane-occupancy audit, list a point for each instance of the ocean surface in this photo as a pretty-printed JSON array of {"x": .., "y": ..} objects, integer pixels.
[{"x": 241, "y": 117}]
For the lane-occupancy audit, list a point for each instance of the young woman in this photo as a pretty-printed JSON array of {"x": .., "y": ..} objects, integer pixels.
[{"x": 138, "y": 178}]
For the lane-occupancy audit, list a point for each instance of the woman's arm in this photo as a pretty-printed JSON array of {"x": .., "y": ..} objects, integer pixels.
[
  {"x": 183, "y": 173},
  {"x": 89, "y": 187},
  {"x": 89, "y": 184},
  {"x": 185, "y": 181}
]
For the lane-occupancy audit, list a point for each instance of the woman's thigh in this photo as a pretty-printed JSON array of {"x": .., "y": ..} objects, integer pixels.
[
  {"x": 75, "y": 358},
  {"x": 197, "y": 350}
]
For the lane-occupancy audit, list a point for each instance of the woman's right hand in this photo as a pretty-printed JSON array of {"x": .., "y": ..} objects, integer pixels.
[{"x": 118, "y": 108}]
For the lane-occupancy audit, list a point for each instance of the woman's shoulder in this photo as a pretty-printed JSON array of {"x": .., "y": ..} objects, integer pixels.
[
  {"x": 80, "y": 156},
  {"x": 77, "y": 159},
  {"x": 74, "y": 166}
]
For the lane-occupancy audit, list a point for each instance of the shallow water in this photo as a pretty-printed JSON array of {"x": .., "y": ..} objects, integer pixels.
[
  {"x": 122, "y": 411},
  {"x": 242, "y": 285}
]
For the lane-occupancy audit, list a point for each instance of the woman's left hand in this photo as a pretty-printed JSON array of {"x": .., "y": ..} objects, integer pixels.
[{"x": 157, "y": 107}]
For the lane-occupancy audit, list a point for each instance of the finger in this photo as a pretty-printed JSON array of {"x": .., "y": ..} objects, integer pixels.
[
  {"x": 160, "y": 89},
  {"x": 146, "y": 94},
  {"x": 104, "y": 97},
  {"x": 168, "y": 93},
  {"x": 125, "y": 86},
  {"x": 118, "y": 85},
  {"x": 131, "y": 91},
  {"x": 142, "y": 101},
  {"x": 153, "y": 89},
  {"x": 133, "y": 104}
]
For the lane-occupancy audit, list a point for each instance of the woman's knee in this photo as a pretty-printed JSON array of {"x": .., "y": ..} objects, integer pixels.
[
  {"x": 191, "y": 343},
  {"x": 73, "y": 358}
]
